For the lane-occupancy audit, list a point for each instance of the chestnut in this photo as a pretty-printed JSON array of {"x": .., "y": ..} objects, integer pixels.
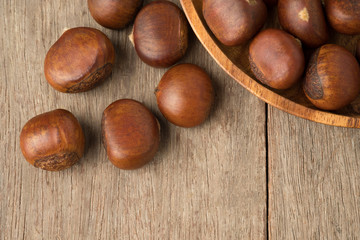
[
  {"x": 114, "y": 14},
  {"x": 332, "y": 78},
  {"x": 344, "y": 15},
  {"x": 276, "y": 58},
  {"x": 185, "y": 95},
  {"x": 80, "y": 59},
  {"x": 234, "y": 22},
  {"x": 160, "y": 34},
  {"x": 305, "y": 19},
  {"x": 52, "y": 141},
  {"x": 131, "y": 134}
]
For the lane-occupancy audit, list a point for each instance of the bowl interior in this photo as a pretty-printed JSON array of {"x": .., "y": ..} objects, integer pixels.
[{"x": 239, "y": 57}]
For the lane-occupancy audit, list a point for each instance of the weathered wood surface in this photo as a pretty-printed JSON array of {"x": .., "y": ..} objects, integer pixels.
[
  {"x": 314, "y": 179},
  {"x": 205, "y": 183}
]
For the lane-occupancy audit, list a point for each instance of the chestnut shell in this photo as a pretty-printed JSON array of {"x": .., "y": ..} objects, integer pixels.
[
  {"x": 185, "y": 95},
  {"x": 276, "y": 58},
  {"x": 160, "y": 34},
  {"x": 344, "y": 15},
  {"x": 114, "y": 14},
  {"x": 332, "y": 78},
  {"x": 79, "y": 60},
  {"x": 53, "y": 140},
  {"x": 131, "y": 134},
  {"x": 304, "y": 19},
  {"x": 234, "y": 22}
]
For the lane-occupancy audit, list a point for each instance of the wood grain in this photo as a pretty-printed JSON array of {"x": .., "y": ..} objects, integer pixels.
[
  {"x": 205, "y": 183},
  {"x": 314, "y": 179}
]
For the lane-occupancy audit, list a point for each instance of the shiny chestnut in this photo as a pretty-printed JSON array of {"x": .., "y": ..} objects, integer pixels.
[
  {"x": 131, "y": 134},
  {"x": 344, "y": 15},
  {"x": 276, "y": 58},
  {"x": 332, "y": 78},
  {"x": 234, "y": 22},
  {"x": 114, "y": 14},
  {"x": 160, "y": 34},
  {"x": 185, "y": 95},
  {"x": 305, "y": 19},
  {"x": 79, "y": 60},
  {"x": 52, "y": 141}
]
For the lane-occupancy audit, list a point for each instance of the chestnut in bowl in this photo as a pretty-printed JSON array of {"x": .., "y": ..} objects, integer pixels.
[
  {"x": 344, "y": 15},
  {"x": 332, "y": 78},
  {"x": 131, "y": 134},
  {"x": 52, "y": 141},
  {"x": 79, "y": 60},
  {"x": 114, "y": 14},
  {"x": 185, "y": 95},
  {"x": 304, "y": 19},
  {"x": 234, "y": 22},
  {"x": 160, "y": 34},
  {"x": 276, "y": 58}
]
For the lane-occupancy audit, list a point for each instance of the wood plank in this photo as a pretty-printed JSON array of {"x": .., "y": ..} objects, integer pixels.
[
  {"x": 205, "y": 183},
  {"x": 314, "y": 179}
]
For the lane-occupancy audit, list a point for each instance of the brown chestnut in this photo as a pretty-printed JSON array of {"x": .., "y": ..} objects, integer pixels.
[
  {"x": 305, "y": 19},
  {"x": 234, "y": 22},
  {"x": 80, "y": 59},
  {"x": 332, "y": 78},
  {"x": 276, "y": 58},
  {"x": 160, "y": 34},
  {"x": 114, "y": 14},
  {"x": 53, "y": 140},
  {"x": 185, "y": 95},
  {"x": 344, "y": 15},
  {"x": 131, "y": 134}
]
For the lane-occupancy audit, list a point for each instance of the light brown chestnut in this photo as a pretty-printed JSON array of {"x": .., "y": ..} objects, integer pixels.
[
  {"x": 185, "y": 95},
  {"x": 79, "y": 60},
  {"x": 234, "y": 22},
  {"x": 332, "y": 78},
  {"x": 305, "y": 19},
  {"x": 114, "y": 14},
  {"x": 53, "y": 140},
  {"x": 160, "y": 34},
  {"x": 276, "y": 58},
  {"x": 344, "y": 15},
  {"x": 131, "y": 134}
]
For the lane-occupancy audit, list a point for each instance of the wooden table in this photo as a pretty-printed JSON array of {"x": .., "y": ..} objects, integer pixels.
[{"x": 249, "y": 172}]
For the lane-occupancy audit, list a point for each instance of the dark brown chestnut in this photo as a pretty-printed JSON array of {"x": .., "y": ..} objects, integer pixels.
[
  {"x": 79, "y": 60},
  {"x": 276, "y": 58},
  {"x": 332, "y": 78},
  {"x": 344, "y": 15},
  {"x": 234, "y": 22},
  {"x": 305, "y": 19},
  {"x": 52, "y": 141},
  {"x": 185, "y": 95},
  {"x": 114, "y": 14},
  {"x": 160, "y": 34},
  {"x": 131, "y": 134}
]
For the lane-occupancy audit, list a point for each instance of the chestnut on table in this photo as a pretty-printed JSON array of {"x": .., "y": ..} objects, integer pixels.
[
  {"x": 79, "y": 60},
  {"x": 52, "y": 141}
]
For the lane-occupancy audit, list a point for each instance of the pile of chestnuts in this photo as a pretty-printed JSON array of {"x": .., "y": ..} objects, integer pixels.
[
  {"x": 84, "y": 57},
  {"x": 276, "y": 56}
]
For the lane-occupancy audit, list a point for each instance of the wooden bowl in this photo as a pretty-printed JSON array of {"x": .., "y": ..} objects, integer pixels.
[{"x": 234, "y": 60}]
